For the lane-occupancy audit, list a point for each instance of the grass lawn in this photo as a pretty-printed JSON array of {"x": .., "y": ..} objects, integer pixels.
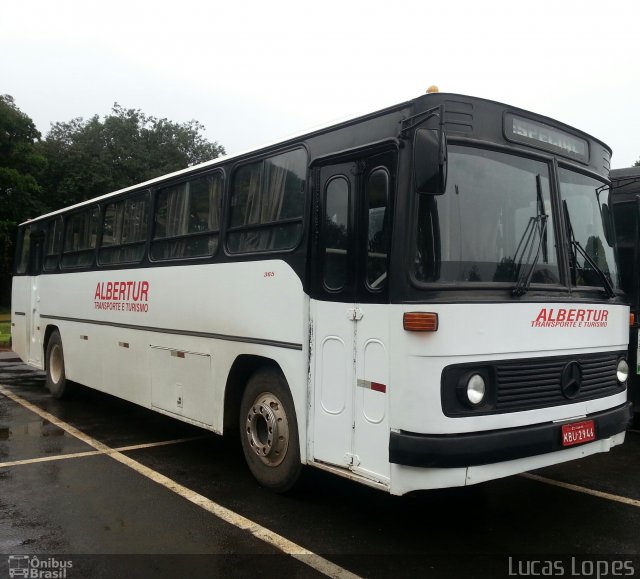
[{"x": 5, "y": 328}]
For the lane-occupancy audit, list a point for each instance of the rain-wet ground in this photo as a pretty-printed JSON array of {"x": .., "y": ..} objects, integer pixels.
[{"x": 181, "y": 508}]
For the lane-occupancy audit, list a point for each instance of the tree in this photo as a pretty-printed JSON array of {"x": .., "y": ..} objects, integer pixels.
[
  {"x": 637, "y": 163},
  {"x": 20, "y": 164},
  {"x": 93, "y": 157},
  {"x": 82, "y": 159}
]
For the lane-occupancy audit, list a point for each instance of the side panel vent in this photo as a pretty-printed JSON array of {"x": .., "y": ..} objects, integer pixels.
[{"x": 458, "y": 117}]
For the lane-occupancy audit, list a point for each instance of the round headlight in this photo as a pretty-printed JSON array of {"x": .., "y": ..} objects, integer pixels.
[
  {"x": 476, "y": 389},
  {"x": 622, "y": 371}
]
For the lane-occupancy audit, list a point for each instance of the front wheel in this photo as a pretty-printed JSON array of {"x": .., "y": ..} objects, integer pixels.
[
  {"x": 57, "y": 382},
  {"x": 269, "y": 431}
]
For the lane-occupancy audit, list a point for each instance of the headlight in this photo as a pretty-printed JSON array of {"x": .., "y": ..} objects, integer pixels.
[
  {"x": 622, "y": 371},
  {"x": 476, "y": 389}
]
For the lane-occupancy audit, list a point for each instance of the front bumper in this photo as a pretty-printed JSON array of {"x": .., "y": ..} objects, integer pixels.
[{"x": 479, "y": 448}]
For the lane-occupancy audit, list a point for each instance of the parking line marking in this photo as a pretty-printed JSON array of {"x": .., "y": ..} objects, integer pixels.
[
  {"x": 50, "y": 458},
  {"x": 96, "y": 452},
  {"x": 584, "y": 490},
  {"x": 272, "y": 538},
  {"x": 161, "y": 443}
]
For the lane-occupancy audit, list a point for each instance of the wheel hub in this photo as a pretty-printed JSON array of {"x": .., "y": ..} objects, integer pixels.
[
  {"x": 55, "y": 363},
  {"x": 267, "y": 429}
]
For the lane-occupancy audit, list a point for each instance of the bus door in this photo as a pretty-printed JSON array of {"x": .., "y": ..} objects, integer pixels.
[
  {"x": 348, "y": 314},
  {"x": 34, "y": 341}
]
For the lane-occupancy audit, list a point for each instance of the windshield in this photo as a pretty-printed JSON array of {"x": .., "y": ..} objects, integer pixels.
[
  {"x": 585, "y": 202},
  {"x": 480, "y": 229}
]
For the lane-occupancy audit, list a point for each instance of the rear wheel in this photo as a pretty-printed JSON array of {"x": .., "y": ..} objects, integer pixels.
[
  {"x": 269, "y": 431},
  {"x": 57, "y": 382}
]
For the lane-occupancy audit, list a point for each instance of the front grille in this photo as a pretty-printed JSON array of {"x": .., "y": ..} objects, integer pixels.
[
  {"x": 518, "y": 385},
  {"x": 528, "y": 384}
]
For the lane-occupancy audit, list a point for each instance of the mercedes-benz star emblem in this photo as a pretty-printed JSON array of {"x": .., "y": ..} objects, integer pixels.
[{"x": 571, "y": 380}]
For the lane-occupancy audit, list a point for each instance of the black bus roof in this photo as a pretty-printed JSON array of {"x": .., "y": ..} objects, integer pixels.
[
  {"x": 465, "y": 117},
  {"x": 617, "y": 174},
  {"x": 625, "y": 184}
]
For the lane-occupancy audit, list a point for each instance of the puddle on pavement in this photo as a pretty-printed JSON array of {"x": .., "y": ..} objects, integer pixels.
[{"x": 34, "y": 429}]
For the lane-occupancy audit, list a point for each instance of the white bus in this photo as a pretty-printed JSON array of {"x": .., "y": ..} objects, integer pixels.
[{"x": 425, "y": 296}]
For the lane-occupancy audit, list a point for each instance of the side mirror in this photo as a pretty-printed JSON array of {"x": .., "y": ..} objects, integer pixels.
[{"x": 430, "y": 161}]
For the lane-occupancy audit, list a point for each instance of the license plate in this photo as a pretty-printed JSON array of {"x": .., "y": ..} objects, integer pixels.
[{"x": 578, "y": 432}]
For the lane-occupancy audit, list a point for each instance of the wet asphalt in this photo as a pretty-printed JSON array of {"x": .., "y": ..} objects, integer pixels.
[{"x": 110, "y": 521}]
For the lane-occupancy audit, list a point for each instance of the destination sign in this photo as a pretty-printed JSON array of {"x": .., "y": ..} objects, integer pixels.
[{"x": 536, "y": 134}]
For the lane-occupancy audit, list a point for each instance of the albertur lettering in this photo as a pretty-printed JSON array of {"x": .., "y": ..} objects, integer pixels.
[
  {"x": 571, "y": 318},
  {"x": 126, "y": 291},
  {"x": 122, "y": 296}
]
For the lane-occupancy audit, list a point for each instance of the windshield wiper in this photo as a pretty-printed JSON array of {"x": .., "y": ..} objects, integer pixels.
[
  {"x": 541, "y": 211},
  {"x": 577, "y": 248},
  {"x": 539, "y": 224}
]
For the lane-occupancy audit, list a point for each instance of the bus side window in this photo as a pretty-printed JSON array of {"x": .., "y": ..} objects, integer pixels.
[
  {"x": 266, "y": 204},
  {"x": 377, "y": 196},
  {"x": 336, "y": 233},
  {"x": 80, "y": 237},
  {"x": 53, "y": 245},
  {"x": 36, "y": 253},
  {"x": 625, "y": 224},
  {"x": 124, "y": 231},
  {"x": 187, "y": 219},
  {"x": 25, "y": 245}
]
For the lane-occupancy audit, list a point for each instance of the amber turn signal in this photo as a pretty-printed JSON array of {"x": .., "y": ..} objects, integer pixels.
[{"x": 420, "y": 322}]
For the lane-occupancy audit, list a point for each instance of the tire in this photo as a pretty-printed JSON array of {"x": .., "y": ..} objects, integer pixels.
[
  {"x": 56, "y": 381},
  {"x": 269, "y": 431}
]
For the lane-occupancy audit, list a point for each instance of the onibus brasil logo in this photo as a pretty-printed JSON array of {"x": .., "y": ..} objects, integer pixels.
[{"x": 32, "y": 566}]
